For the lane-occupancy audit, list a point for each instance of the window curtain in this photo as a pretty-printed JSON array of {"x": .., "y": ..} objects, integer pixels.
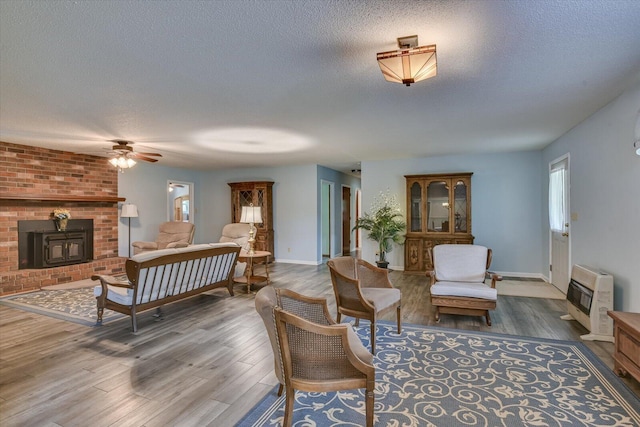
[{"x": 557, "y": 207}]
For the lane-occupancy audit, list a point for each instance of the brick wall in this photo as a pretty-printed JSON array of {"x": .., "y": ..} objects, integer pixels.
[{"x": 26, "y": 170}]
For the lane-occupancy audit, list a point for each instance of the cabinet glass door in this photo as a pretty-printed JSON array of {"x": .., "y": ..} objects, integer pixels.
[
  {"x": 416, "y": 207},
  {"x": 460, "y": 207},
  {"x": 438, "y": 207}
]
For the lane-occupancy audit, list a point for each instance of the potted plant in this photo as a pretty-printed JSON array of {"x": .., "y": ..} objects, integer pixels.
[
  {"x": 384, "y": 224},
  {"x": 61, "y": 216}
]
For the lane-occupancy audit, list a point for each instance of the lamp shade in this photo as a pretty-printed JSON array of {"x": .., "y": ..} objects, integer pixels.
[
  {"x": 122, "y": 162},
  {"x": 251, "y": 215},
  {"x": 409, "y": 64},
  {"x": 129, "y": 211}
]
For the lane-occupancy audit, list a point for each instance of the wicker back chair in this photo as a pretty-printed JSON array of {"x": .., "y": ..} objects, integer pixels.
[
  {"x": 312, "y": 352},
  {"x": 363, "y": 291}
]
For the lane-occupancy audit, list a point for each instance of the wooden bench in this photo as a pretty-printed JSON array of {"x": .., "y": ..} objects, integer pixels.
[{"x": 160, "y": 277}]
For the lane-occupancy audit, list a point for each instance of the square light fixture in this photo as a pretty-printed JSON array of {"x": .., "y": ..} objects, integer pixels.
[{"x": 410, "y": 63}]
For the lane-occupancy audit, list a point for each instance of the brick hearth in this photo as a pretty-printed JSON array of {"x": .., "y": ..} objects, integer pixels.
[{"x": 31, "y": 171}]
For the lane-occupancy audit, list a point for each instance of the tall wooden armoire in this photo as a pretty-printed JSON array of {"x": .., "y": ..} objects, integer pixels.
[{"x": 258, "y": 193}]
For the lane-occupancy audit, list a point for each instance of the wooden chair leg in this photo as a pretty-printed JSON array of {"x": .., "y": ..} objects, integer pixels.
[
  {"x": 399, "y": 314},
  {"x": 373, "y": 337},
  {"x": 338, "y": 317},
  {"x": 357, "y": 321},
  {"x": 369, "y": 405},
  {"x": 488, "y": 317},
  {"x": 288, "y": 407},
  {"x": 437, "y": 314},
  {"x": 280, "y": 389}
]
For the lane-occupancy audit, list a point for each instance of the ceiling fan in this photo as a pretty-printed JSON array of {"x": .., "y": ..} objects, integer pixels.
[
  {"x": 123, "y": 148},
  {"x": 123, "y": 156}
]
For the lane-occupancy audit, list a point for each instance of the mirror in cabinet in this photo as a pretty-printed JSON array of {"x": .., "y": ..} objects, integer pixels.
[{"x": 438, "y": 207}]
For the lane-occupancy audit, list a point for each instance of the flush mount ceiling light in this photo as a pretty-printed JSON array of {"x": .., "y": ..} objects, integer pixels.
[{"x": 410, "y": 63}]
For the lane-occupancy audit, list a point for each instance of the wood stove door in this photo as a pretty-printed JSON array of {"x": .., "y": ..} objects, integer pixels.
[{"x": 61, "y": 250}]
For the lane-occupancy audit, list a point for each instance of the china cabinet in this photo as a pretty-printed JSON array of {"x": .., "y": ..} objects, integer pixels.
[
  {"x": 258, "y": 193},
  {"x": 438, "y": 212}
]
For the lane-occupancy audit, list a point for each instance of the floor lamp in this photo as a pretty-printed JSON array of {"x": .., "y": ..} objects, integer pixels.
[{"x": 129, "y": 211}]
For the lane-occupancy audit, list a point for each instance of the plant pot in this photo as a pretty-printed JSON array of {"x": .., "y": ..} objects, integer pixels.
[
  {"x": 61, "y": 224},
  {"x": 382, "y": 264}
]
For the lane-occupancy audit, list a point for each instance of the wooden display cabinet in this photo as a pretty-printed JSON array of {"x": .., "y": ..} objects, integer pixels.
[
  {"x": 438, "y": 212},
  {"x": 258, "y": 193}
]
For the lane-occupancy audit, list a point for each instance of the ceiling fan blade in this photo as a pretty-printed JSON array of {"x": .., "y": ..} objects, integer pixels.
[
  {"x": 137, "y": 156},
  {"x": 149, "y": 154}
]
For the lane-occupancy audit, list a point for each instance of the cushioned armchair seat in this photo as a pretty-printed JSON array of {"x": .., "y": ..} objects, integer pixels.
[{"x": 462, "y": 289}]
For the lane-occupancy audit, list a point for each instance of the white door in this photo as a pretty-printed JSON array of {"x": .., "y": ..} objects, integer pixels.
[{"x": 560, "y": 262}]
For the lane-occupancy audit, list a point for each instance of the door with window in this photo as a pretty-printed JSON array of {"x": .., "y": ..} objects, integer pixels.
[{"x": 559, "y": 222}]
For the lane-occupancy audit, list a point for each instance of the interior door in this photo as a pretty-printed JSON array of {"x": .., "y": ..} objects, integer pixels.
[
  {"x": 560, "y": 262},
  {"x": 326, "y": 219},
  {"x": 346, "y": 221}
]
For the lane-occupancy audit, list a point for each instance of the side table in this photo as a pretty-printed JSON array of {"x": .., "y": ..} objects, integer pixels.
[
  {"x": 626, "y": 331},
  {"x": 250, "y": 276}
]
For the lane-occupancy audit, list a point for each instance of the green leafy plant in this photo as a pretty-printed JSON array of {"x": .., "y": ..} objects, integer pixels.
[{"x": 384, "y": 223}]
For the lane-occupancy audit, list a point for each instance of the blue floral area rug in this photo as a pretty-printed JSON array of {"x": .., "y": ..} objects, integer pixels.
[
  {"x": 73, "y": 305},
  {"x": 431, "y": 376}
]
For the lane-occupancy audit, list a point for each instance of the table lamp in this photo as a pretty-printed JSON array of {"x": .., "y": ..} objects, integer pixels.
[{"x": 251, "y": 215}]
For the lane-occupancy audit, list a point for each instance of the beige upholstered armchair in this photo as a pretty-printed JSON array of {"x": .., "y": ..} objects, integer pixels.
[
  {"x": 173, "y": 234},
  {"x": 312, "y": 352},
  {"x": 236, "y": 233},
  {"x": 457, "y": 281},
  {"x": 363, "y": 291}
]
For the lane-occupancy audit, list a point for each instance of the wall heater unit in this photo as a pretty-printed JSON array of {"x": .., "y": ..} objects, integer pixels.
[{"x": 589, "y": 297}]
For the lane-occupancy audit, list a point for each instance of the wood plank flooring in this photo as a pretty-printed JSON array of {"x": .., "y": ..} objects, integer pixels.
[{"x": 208, "y": 362}]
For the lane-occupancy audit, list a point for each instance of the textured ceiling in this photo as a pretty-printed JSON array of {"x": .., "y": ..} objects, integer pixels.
[{"x": 210, "y": 83}]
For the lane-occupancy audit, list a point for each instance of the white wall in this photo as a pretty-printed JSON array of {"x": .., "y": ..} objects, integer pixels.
[
  {"x": 605, "y": 195},
  {"x": 145, "y": 186},
  {"x": 505, "y": 203},
  {"x": 295, "y": 207}
]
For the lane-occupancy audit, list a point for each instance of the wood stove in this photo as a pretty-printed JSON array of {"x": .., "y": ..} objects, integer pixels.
[{"x": 41, "y": 245}]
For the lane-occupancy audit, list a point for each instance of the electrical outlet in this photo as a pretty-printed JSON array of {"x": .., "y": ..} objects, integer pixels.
[{"x": 288, "y": 249}]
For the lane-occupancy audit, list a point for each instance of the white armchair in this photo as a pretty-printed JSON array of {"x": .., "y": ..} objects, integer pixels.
[{"x": 457, "y": 281}]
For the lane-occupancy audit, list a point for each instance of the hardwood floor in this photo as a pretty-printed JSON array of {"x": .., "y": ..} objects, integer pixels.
[{"x": 207, "y": 363}]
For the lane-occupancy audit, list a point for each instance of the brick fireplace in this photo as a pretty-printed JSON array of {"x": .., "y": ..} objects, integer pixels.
[{"x": 33, "y": 182}]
